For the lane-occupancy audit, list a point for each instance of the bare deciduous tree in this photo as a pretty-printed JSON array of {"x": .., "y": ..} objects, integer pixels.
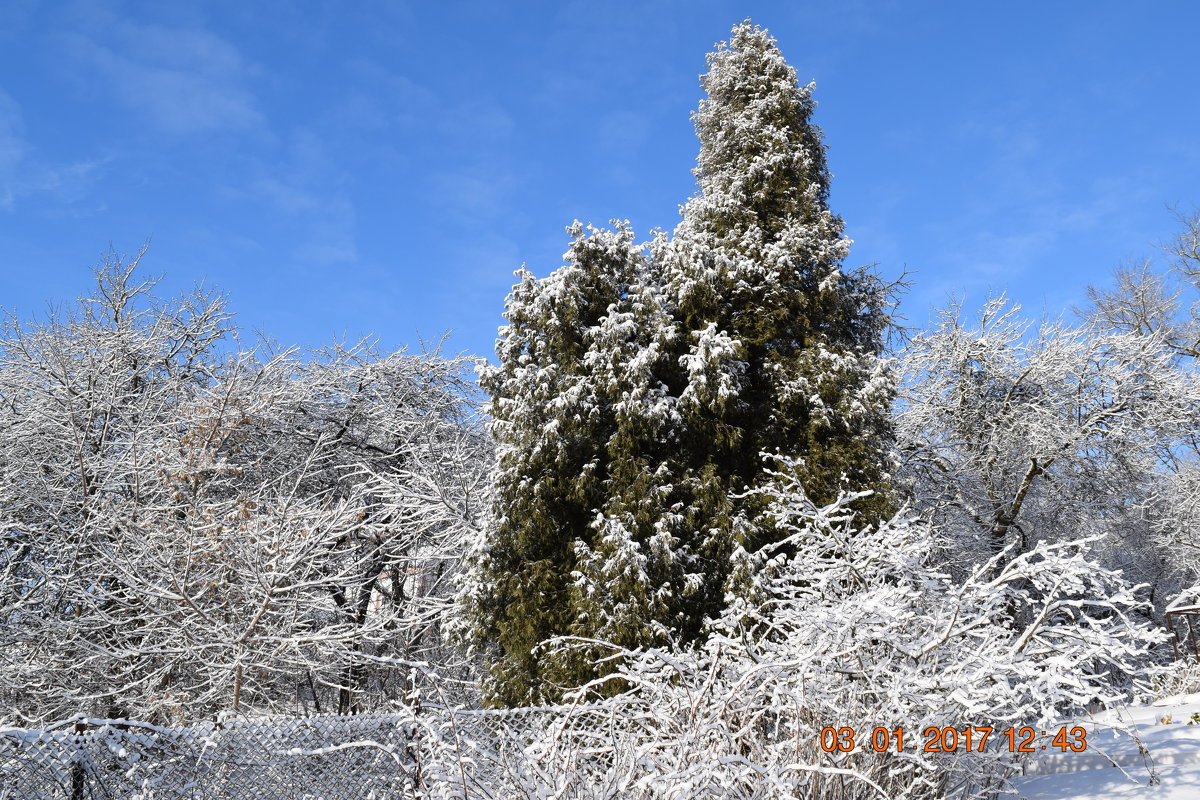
[
  {"x": 1012, "y": 433},
  {"x": 190, "y": 526},
  {"x": 1146, "y": 300},
  {"x": 1162, "y": 304}
]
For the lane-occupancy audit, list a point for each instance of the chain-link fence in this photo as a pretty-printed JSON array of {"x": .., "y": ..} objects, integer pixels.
[
  {"x": 319, "y": 757},
  {"x": 431, "y": 752}
]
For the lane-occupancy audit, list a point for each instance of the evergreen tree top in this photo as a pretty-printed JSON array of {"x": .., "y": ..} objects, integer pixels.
[{"x": 759, "y": 151}]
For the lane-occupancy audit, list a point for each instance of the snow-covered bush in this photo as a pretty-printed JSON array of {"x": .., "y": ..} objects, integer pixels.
[
  {"x": 1013, "y": 433},
  {"x": 1176, "y": 522},
  {"x": 851, "y": 628},
  {"x": 188, "y": 526}
]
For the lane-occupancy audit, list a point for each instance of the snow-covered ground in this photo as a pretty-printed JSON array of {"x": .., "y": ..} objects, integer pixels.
[{"x": 1114, "y": 766}]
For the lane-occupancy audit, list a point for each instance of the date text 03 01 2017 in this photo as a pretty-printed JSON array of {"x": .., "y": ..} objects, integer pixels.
[{"x": 950, "y": 740}]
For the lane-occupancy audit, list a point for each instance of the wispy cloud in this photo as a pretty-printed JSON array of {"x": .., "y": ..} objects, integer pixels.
[
  {"x": 485, "y": 264},
  {"x": 331, "y": 237},
  {"x": 12, "y": 139},
  {"x": 623, "y": 131},
  {"x": 23, "y": 175},
  {"x": 14, "y": 18},
  {"x": 307, "y": 186},
  {"x": 473, "y": 191},
  {"x": 184, "y": 80}
]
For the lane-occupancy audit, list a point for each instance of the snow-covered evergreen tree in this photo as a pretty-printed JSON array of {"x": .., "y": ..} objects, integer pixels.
[
  {"x": 551, "y": 417},
  {"x": 776, "y": 343},
  {"x": 639, "y": 388}
]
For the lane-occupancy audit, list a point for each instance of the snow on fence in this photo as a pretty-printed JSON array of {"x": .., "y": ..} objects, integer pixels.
[
  {"x": 319, "y": 757},
  {"x": 436, "y": 752}
]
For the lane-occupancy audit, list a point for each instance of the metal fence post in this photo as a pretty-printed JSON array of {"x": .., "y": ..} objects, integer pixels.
[{"x": 77, "y": 768}]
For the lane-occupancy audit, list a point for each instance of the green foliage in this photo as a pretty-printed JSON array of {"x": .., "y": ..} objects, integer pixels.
[{"x": 639, "y": 388}]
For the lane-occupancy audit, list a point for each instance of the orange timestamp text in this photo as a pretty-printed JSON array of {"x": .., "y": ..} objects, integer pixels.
[{"x": 950, "y": 740}]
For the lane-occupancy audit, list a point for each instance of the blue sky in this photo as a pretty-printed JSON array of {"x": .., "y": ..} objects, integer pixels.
[{"x": 381, "y": 168}]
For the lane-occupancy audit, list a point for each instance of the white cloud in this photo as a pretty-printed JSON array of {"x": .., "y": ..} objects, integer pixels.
[
  {"x": 624, "y": 131},
  {"x": 12, "y": 147},
  {"x": 309, "y": 188},
  {"x": 22, "y": 175},
  {"x": 183, "y": 80},
  {"x": 473, "y": 191}
]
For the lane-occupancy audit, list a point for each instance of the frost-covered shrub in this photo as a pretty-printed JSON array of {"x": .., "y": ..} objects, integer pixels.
[
  {"x": 852, "y": 628},
  {"x": 1014, "y": 431},
  {"x": 1176, "y": 524},
  {"x": 188, "y": 526}
]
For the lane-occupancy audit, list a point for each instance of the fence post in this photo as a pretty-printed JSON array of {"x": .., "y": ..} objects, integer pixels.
[
  {"x": 418, "y": 786},
  {"x": 77, "y": 769}
]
